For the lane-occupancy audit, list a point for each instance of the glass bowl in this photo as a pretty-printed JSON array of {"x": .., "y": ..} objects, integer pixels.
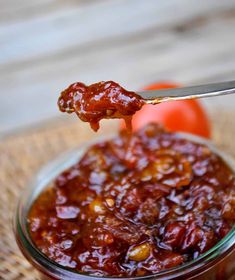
[{"x": 218, "y": 263}]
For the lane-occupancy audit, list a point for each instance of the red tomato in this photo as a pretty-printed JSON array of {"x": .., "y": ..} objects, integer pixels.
[{"x": 185, "y": 116}]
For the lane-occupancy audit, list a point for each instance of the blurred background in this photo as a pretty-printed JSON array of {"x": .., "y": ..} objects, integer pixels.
[{"x": 46, "y": 45}]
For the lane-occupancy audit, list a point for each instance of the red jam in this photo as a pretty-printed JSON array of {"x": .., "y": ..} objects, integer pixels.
[
  {"x": 98, "y": 101},
  {"x": 135, "y": 205}
]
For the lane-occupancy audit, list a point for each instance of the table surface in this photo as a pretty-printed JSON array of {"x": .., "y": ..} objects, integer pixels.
[{"x": 46, "y": 45}]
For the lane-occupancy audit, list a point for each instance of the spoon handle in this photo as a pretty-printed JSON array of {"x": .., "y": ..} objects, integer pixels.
[{"x": 209, "y": 90}]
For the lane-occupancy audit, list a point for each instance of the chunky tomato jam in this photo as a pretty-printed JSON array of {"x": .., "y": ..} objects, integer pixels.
[
  {"x": 98, "y": 101},
  {"x": 135, "y": 205}
]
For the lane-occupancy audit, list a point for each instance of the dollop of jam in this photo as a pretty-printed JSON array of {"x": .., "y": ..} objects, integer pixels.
[
  {"x": 103, "y": 100},
  {"x": 135, "y": 205}
]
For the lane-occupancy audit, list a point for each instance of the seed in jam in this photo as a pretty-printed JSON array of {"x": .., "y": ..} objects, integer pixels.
[
  {"x": 98, "y": 101},
  {"x": 139, "y": 253},
  {"x": 135, "y": 205},
  {"x": 97, "y": 207}
]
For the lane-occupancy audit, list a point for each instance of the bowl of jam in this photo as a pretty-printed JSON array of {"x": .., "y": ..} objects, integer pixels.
[{"x": 150, "y": 205}]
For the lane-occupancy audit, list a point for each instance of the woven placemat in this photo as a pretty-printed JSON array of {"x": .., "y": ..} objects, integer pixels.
[{"x": 23, "y": 154}]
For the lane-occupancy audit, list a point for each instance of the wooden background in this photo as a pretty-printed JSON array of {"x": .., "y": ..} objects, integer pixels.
[{"x": 47, "y": 44}]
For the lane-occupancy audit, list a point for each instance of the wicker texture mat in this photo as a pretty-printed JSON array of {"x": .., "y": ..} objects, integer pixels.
[{"x": 23, "y": 154}]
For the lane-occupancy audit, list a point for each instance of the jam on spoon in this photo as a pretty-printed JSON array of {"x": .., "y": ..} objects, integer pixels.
[{"x": 103, "y": 100}]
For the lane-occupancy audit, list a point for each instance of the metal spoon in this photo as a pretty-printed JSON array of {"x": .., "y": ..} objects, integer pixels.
[{"x": 209, "y": 90}]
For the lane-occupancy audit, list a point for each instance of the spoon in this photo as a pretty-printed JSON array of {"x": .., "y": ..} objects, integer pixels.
[{"x": 209, "y": 90}]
